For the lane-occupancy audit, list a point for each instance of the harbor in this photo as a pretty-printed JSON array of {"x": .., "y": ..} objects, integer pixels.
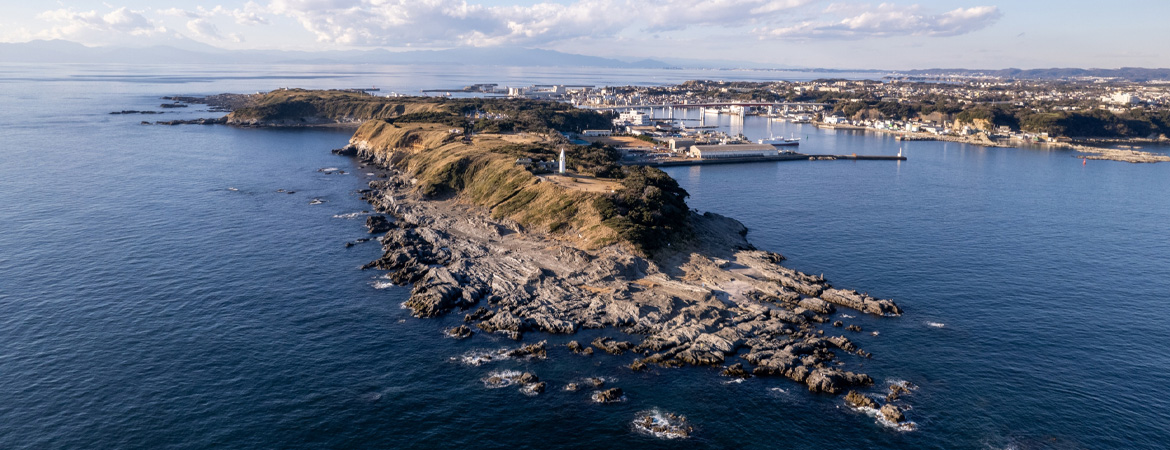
[{"x": 672, "y": 162}]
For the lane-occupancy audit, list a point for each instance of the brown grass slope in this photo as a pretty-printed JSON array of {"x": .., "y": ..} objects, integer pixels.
[{"x": 475, "y": 173}]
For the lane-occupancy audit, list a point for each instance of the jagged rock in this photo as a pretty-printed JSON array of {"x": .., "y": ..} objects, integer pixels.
[
  {"x": 611, "y": 395},
  {"x": 861, "y": 302},
  {"x": 574, "y": 347},
  {"x": 736, "y": 371},
  {"x": 595, "y": 381},
  {"x": 832, "y": 381},
  {"x": 348, "y": 150},
  {"x": 378, "y": 224},
  {"x": 460, "y": 332},
  {"x": 611, "y": 346},
  {"x": 838, "y": 323},
  {"x": 572, "y": 387},
  {"x": 527, "y": 378},
  {"x": 853, "y": 328},
  {"x": 534, "y": 388},
  {"x": 638, "y": 365},
  {"x": 670, "y": 426},
  {"x": 896, "y": 391},
  {"x": 433, "y": 300},
  {"x": 892, "y": 413},
  {"x": 480, "y": 313},
  {"x": 860, "y": 400},
  {"x": 818, "y": 305},
  {"x": 536, "y": 350},
  {"x": 513, "y": 335},
  {"x": 842, "y": 343},
  {"x": 549, "y": 324},
  {"x": 502, "y": 321}
]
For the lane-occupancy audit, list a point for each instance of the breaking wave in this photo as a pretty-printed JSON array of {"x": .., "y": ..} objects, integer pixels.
[{"x": 662, "y": 425}]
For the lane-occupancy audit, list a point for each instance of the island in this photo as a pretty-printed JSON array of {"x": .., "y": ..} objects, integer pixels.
[{"x": 479, "y": 219}]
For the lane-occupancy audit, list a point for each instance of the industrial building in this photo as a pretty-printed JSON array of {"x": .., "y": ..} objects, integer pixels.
[{"x": 733, "y": 151}]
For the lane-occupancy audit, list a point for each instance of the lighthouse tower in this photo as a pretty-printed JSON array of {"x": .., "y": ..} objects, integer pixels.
[{"x": 562, "y": 161}]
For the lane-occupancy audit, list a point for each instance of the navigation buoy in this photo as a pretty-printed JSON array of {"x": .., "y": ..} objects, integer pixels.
[{"x": 1084, "y": 161}]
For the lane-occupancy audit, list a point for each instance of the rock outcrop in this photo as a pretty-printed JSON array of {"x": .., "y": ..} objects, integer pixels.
[
  {"x": 697, "y": 302},
  {"x": 611, "y": 395},
  {"x": 378, "y": 224}
]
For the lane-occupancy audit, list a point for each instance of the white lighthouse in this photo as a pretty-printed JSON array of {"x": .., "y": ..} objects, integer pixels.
[{"x": 562, "y": 161}]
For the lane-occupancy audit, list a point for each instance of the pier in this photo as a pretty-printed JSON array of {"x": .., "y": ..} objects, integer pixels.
[{"x": 672, "y": 162}]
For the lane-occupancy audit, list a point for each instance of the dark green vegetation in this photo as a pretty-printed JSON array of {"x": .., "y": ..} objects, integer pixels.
[
  {"x": 494, "y": 115},
  {"x": 650, "y": 210},
  {"x": 595, "y": 160}
]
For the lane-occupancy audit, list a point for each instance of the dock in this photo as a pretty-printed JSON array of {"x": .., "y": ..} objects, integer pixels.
[{"x": 757, "y": 159}]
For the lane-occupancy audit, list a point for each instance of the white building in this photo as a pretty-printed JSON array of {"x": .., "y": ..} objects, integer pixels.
[
  {"x": 635, "y": 118},
  {"x": 1122, "y": 98},
  {"x": 595, "y": 133},
  {"x": 733, "y": 151}
]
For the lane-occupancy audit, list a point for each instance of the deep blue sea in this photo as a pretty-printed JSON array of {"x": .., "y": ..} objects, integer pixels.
[{"x": 157, "y": 291}]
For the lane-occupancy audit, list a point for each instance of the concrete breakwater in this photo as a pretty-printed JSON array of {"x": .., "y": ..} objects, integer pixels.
[{"x": 788, "y": 157}]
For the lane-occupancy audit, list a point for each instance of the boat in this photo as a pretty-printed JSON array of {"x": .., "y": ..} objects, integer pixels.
[{"x": 780, "y": 142}]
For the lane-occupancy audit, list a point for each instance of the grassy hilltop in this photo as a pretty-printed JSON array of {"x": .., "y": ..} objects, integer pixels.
[
  {"x": 305, "y": 107},
  {"x": 467, "y": 150}
]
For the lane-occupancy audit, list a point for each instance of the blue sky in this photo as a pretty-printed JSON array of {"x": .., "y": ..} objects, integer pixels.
[{"x": 804, "y": 33}]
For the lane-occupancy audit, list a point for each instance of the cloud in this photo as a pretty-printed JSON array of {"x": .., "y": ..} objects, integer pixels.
[
  {"x": 457, "y": 22},
  {"x": 250, "y": 14},
  {"x": 88, "y": 25},
  {"x": 450, "y": 23},
  {"x": 202, "y": 28},
  {"x": 887, "y": 20}
]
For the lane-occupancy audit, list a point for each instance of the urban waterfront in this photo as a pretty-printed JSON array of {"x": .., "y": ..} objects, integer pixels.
[{"x": 157, "y": 291}]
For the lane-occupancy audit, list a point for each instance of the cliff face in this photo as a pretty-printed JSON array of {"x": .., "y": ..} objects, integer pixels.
[{"x": 442, "y": 165}]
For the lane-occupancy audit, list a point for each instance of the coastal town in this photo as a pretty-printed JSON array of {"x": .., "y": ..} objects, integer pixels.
[{"x": 1103, "y": 118}]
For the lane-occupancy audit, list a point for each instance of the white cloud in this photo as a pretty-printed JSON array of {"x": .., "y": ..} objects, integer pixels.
[
  {"x": 457, "y": 22},
  {"x": 888, "y": 20},
  {"x": 202, "y": 28},
  {"x": 93, "y": 26},
  {"x": 250, "y": 14},
  {"x": 448, "y": 23}
]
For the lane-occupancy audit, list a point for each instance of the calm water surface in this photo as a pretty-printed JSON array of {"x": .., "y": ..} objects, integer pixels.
[{"x": 156, "y": 291}]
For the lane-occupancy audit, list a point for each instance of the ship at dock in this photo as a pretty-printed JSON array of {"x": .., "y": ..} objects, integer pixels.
[{"x": 780, "y": 142}]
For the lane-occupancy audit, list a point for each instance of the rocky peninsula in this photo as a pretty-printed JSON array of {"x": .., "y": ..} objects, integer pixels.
[{"x": 519, "y": 251}]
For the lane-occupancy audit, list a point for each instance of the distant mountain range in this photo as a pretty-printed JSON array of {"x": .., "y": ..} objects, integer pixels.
[
  {"x": 190, "y": 52},
  {"x": 57, "y": 51}
]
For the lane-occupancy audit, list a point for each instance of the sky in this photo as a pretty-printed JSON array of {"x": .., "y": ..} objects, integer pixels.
[{"x": 977, "y": 34}]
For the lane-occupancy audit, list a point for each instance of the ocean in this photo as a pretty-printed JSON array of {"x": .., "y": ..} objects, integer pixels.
[{"x": 179, "y": 287}]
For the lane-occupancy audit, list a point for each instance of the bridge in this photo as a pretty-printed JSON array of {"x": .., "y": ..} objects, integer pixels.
[{"x": 700, "y": 105}]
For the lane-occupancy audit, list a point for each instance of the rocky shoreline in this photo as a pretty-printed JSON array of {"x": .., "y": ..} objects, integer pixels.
[{"x": 712, "y": 300}]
